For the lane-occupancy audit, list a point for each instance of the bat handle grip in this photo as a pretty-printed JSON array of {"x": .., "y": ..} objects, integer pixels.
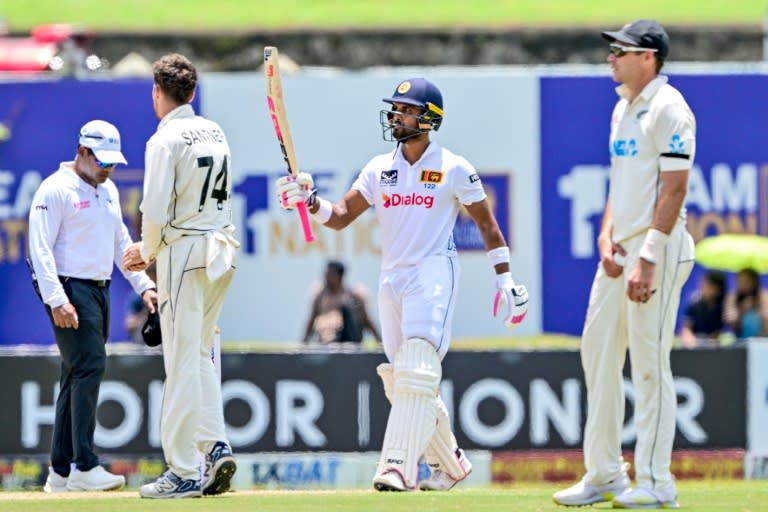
[{"x": 305, "y": 223}]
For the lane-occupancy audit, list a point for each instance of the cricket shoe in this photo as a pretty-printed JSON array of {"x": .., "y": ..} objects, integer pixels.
[
  {"x": 642, "y": 497},
  {"x": 220, "y": 467},
  {"x": 390, "y": 480},
  {"x": 95, "y": 479},
  {"x": 170, "y": 485},
  {"x": 439, "y": 480},
  {"x": 584, "y": 493},
  {"x": 55, "y": 482}
]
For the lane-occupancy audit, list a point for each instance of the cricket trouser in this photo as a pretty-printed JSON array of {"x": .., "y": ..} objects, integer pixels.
[
  {"x": 418, "y": 302},
  {"x": 192, "y": 413},
  {"x": 614, "y": 323}
]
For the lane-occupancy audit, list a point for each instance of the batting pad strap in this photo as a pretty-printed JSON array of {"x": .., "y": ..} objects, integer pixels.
[
  {"x": 653, "y": 246},
  {"x": 385, "y": 371},
  {"x": 324, "y": 212},
  {"x": 498, "y": 255}
]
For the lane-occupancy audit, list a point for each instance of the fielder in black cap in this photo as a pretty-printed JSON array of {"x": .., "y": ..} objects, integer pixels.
[
  {"x": 646, "y": 255},
  {"x": 645, "y": 34}
]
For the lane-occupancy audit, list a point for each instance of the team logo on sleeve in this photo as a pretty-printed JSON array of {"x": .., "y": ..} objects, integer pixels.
[
  {"x": 388, "y": 177},
  {"x": 677, "y": 145},
  {"x": 474, "y": 178},
  {"x": 431, "y": 176}
]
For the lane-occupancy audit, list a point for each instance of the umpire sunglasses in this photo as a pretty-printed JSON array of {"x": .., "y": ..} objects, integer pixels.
[
  {"x": 103, "y": 165},
  {"x": 618, "y": 50}
]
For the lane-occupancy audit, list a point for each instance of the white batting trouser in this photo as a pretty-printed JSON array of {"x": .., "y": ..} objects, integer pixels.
[
  {"x": 192, "y": 413},
  {"x": 418, "y": 302},
  {"x": 614, "y": 322}
]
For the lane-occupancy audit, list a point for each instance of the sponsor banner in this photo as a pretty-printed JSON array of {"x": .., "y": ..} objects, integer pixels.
[
  {"x": 45, "y": 118},
  {"x": 307, "y": 470},
  {"x": 335, "y": 152},
  {"x": 272, "y": 242},
  {"x": 323, "y": 470},
  {"x": 334, "y": 402},
  {"x": 727, "y": 189},
  {"x": 568, "y": 465},
  {"x": 757, "y": 397}
]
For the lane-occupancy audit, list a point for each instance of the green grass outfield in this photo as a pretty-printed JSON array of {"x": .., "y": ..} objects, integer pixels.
[
  {"x": 701, "y": 496},
  {"x": 195, "y": 15}
]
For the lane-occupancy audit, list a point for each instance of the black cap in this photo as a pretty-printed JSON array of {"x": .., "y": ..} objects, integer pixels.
[
  {"x": 644, "y": 34},
  {"x": 151, "y": 330}
]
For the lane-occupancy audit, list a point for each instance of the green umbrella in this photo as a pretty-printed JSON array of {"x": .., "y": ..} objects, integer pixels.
[{"x": 732, "y": 252}]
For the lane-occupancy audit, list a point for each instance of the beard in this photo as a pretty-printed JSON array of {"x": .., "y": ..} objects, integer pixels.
[{"x": 401, "y": 133}]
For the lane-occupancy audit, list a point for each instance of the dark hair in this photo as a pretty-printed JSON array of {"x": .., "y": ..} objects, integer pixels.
[
  {"x": 754, "y": 289},
  {"x": 176, "y": 77},
  {"x": 337, "y": 267},
  {"x": 717, "y": 279}
]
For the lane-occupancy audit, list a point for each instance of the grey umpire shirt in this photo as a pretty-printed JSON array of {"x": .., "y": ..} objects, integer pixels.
[{"x": 76, "y": 230}]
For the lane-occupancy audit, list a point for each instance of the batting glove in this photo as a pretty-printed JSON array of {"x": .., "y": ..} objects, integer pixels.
[
  {"x": 293, "y": 190},
  {"x": 511, "y": 299}
]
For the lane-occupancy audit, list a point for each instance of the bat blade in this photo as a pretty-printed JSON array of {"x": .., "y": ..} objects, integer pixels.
[{"x": 276, "y": 104}]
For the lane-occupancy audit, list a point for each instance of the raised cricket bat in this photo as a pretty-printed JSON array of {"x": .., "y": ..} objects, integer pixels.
[{"x": 280, "y": 121}]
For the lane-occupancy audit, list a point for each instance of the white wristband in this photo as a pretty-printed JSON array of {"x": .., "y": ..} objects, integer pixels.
[
  {"x": 504, "y": 281},
  {"x": 323, "y": 214},
  {"x": 498, "y": 255},
  {"x": 653, "y": 246}
]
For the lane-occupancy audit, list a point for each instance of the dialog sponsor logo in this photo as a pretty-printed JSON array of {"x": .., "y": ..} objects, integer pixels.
[{"x": 413, "y": 199}]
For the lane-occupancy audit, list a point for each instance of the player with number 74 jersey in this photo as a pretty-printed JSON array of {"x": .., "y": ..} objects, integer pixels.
[{"x": 187, "y": 229}]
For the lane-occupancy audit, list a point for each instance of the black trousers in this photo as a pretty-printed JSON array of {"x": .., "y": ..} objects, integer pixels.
[{"x": 83, "y": 360}]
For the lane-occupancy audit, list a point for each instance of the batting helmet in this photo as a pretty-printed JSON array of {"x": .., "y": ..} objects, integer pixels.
[{"x": 421, "y": 93}]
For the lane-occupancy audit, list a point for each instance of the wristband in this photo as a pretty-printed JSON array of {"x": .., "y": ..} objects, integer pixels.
[
  {"x": 498, "y": 255},
  {"x": 323, "y": 214},
  {"x": 653, "y": 246},
  {"x": 504, "y": 281}
]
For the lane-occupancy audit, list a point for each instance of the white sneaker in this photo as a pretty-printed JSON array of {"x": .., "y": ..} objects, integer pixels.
[
  {"x": 95, "y": 479},
  {"x": 584, "y": 493},
  {"x": 642, "y": 497},
  {"x": 389, "y": 481},
  {"x": 220, "y": 467},
  {"x": 55, "y": 482},
  {"x": 170, "y": 485},
  {"x": 439, "y": 480}
]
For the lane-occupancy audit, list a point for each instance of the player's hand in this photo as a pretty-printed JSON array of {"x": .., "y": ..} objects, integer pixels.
[
  {"x": 65, "y": 316},
  {"x": 150, "y": 299},
  {"x": 511, "y": 301},
  {"x": 293, "y": 190},
  {"x": 132, "y": 260}
]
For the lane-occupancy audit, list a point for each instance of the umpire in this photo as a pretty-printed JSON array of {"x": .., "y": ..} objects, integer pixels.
[{"x": 76, "y": 232}]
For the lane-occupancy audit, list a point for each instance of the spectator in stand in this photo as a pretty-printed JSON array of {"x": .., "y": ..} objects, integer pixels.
[
  {"x": 703, "y": 320},
  {"x": 339, "y": 315},
  {"x": 746, "y": 309}
]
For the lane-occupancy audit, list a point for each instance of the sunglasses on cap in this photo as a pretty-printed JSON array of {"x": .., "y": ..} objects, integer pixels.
[{"x": 618, "y": 50}]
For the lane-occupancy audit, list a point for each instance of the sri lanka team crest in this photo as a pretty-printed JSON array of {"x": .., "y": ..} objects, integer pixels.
[{"x": 431, "y": 176}]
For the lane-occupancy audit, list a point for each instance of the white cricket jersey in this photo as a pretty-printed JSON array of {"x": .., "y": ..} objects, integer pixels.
[
  {"x": 656, "y": 133},
  {"x": 187, "y": 182},
  {"x": 77, "y": 230},
  {"x": 417, "y": 205}
]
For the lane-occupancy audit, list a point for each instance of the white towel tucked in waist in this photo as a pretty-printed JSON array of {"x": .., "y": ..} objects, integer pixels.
[{"x": 219, "y": 253}]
